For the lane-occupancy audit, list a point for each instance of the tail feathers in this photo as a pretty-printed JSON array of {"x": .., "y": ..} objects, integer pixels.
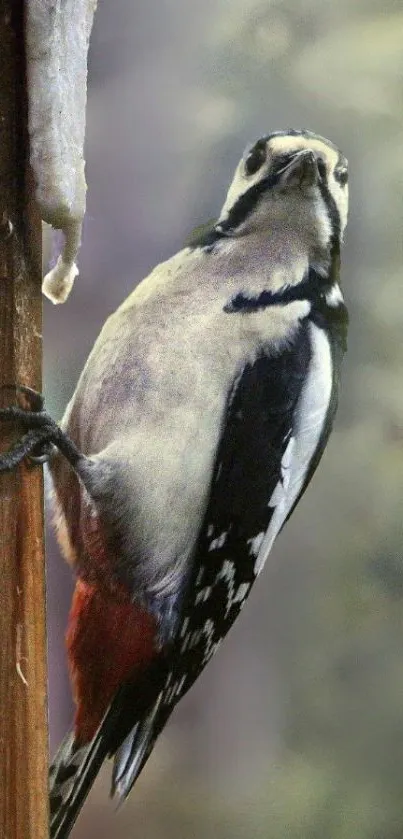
[
  {"x": 75, "y": 767},
  {"x": 134, "y": 752},
  {"x": 71, "y": 776}
]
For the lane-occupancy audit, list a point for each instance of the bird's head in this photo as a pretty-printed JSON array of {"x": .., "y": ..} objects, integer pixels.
[{"x": 291, "y": 180}]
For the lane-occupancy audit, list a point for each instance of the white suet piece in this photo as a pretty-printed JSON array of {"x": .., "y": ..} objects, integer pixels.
[{"x": 57, "y": 38}]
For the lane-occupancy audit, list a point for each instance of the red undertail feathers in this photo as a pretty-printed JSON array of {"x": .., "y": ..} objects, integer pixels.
[{"x": 110, "y": 640}]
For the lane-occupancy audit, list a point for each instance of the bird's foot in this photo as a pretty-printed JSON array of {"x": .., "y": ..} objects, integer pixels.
[{"x": 42, "y": 432}]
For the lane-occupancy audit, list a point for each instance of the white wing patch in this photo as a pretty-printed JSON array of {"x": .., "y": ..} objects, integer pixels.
[
  {"x": 235, "y": 594},
  {"x": 203, "y": 594},
  {"x": 310, "y": 418},
  {"x": 219, "y": 542},
  {"x": 210, "y": 645}
]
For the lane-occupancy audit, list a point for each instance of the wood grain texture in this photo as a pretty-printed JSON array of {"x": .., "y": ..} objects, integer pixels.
[{"x": 23, "y": 678}]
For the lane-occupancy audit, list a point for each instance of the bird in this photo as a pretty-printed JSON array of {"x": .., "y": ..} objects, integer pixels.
[{"x": 196, "y": 426}]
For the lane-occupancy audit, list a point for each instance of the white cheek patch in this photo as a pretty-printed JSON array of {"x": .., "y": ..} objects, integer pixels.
[
  {"x": 340, "y": 195},
  {"x": 324, "y": 228},
  {"x": 284, "y": 144}
]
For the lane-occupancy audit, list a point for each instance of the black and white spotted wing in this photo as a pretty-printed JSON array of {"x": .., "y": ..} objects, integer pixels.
[
  {"x": 279, "y": 416},
  {"x": 256, "y": 434}
]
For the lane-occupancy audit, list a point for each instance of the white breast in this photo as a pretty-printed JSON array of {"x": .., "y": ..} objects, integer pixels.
[{"x": 163, "y": 463}]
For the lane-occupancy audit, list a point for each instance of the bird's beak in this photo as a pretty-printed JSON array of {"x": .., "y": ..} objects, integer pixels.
[{"x": 302, "y": 169}]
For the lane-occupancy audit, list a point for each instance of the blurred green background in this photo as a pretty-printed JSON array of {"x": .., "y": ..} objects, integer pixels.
[{"x": 296, "y": 728}]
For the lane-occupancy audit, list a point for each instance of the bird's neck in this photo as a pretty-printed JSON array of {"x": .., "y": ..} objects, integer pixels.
[{"x": 279, "y": 258}]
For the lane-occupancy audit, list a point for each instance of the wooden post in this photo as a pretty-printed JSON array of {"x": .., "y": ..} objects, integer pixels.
[{"x": 23, "y": 678}]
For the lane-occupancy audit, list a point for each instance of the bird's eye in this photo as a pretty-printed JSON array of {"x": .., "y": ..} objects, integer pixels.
[
  {"x": 322, "y": 168},
  {"x": 256, "y": 157},
  {"x": 341, "y": 175}
]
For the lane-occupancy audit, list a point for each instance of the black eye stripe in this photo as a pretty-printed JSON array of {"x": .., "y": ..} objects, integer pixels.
[{"x": 322, "y": 168}]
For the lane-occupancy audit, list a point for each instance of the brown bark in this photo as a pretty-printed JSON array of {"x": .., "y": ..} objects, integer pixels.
[{"x": 23, "y": 699}]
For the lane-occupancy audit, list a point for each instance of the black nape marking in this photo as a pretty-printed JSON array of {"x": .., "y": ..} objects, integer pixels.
[
  {"x": 312, "y": 288},
  {"x": 334, "y": 319}
]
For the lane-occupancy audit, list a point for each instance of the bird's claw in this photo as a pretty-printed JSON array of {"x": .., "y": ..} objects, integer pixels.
[{"x": 38, "y": 427}]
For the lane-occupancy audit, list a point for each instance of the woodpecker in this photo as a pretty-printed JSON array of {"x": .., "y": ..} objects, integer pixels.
[{"x": 199, "y": 419}]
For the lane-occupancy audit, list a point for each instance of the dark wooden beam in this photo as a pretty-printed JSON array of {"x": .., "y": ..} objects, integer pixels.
[{"x": 23, "y": 677}]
